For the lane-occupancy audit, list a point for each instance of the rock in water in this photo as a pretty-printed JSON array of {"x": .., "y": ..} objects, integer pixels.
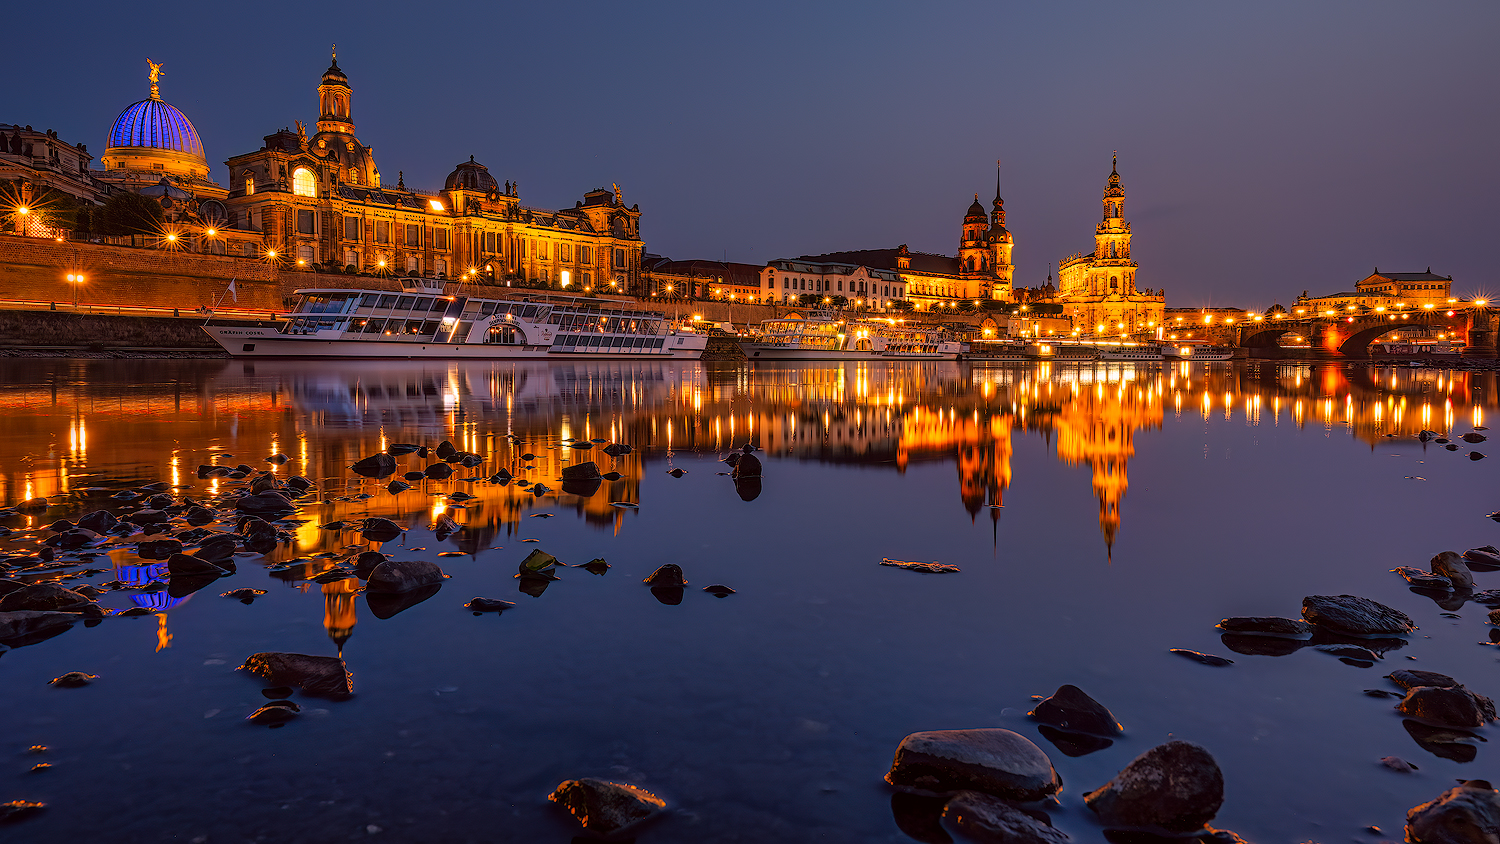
[
  {"x": 992, "y": 760},
  {"x": 17, "y": 810},
  {"x": 445, "y": 450},
  {"x": 1206, "y": 659},
  {"x": 1355, "y": 616},
  {"x": 274, "y": 714},
  {"x": 42, "y": 597},
  {"x": 1070, "y": 709},
  {"x": 98, "y": 521},
  {"x": 316, "y": 675},
  {"x": 581, "y": 472},
  {"x": 1467, "y": 814},
  {"x": 1486, "y": 556},
  {"x": 23, "y": 625},
  {"x": 604, "y": 807},
  {"x": 616, "y": 449},
  {"x": 479, "y": 605},
  {"x": 667, "y": 575},
  {"x": 748, "y": 466},
  {"x": 396, "y": 487},
  {"x": 1407, "y": 679},
  {"x": 403, "y": 576},
  {"x": 216, "y": 548},
  {"x": 181, "y": 565},
  {"x": 438, "y": 471},
  {"x": 1423, "y": 579},
  {"x": 1447, "y": 707},
  {"x": 380, "y": 530},
  {"x": 375, "y": 466},
  {"x": 1266, "y": 626},
  {"x": 1397, "y": 764},
  {"x": 73, "y": 680},
  {"x": 1450, "y": 564},
  {"x": 1175, "y": 786},
  {"x": 989, "y": 820}
]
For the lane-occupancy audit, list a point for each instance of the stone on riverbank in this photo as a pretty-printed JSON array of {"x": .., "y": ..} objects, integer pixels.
[
  {"x": 182, "y": 565},
  {"x": 586, "y": 471},
  {"x": 666, "y": 575},
  {"x": 316, "y": 675},
  {"x": 1450, "y": 564},
  {"x": 603, "y": 807},
  {"x": 1266, "y": 626},
  {"x": 984, "y": 819},
  {"x": 992, "y": 760},
  {"x": 1071, "y": 709},
  {"x": 19, "y": 626},
  {"x": 1355, "y": 616},
  {"x": 1423, "y": 579},
  {"x": 42, "y": 597},
  {"x": 1447, "y": 707},
  {"x": 375, "y": 466},
  {"x": 1176, "y": 786},
  {"x": 1466, "y": 814},
  {"x": 403, "y": 576},
  {"x": 1408, "y": 679}
]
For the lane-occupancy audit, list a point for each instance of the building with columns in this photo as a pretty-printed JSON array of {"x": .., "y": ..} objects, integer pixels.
[
  {"x": 1098, "y": 291},
  {"x": 320, "y": 199}
]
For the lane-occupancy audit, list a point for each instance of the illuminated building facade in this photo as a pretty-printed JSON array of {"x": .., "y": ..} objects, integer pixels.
[
  {"x": 787, "y": 281},
  {"x": 320, "y": 199},
  {"x": 1098, "y": 291},
  {"x": 1389, "y": 290}
]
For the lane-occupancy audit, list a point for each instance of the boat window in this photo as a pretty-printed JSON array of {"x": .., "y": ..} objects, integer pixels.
[
  {"x": 425, "y": 304},
  {"x": 405, "y": 303},
  {"x": 528, "y": 312},
  {"x": 388, "y": 301},
  {"x": 369, "y": 300},
  {"x": 487, "y": 308},
  {"x": 373, "y": 326}
]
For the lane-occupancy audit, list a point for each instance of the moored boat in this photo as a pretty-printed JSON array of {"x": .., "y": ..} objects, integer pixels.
[
  {"x": 1131, "y": 351},
  {"x": 820, "y": 337},
  {"x": 1191, "y": 351},
  {"x": 423, "y": 321}
]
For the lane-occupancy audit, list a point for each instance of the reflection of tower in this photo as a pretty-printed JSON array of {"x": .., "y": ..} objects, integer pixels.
[
  {"x": 984, "y": 464},
  {"x": 1098, "y": 428},
  {"x": 338, "y": 610}
]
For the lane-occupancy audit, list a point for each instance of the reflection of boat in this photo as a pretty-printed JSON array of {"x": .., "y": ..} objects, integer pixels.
[
  {"x": 1131, "y": 351},
  {"x": 820, "y": 337},
  {"x": 1191, "y": 351},
  {"x": 422, "y": 322},
  {"x": 1417, "y": 349},
  {"x": 1002, "y": 351}
]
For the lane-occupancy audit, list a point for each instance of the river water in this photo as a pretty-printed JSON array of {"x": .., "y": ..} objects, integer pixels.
[{"x": 1101, "y": 515}]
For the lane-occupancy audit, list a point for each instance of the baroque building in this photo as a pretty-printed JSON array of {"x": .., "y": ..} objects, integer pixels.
[
  {"x": 320, "y": 199},
  {"x": 1098, "y": 291},
  {"x": 982, "y": 269}
]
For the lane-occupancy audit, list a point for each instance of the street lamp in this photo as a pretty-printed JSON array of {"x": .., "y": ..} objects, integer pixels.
[{"x": 77, "y": 280}]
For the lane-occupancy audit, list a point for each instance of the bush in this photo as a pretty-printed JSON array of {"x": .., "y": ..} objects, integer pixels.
[
  {"x": 129, "y": 213},
  {"x": 350, "y": 269}
]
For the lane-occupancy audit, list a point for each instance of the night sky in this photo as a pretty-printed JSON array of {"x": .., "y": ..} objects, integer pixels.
[{"x": 1265, "y": 148}]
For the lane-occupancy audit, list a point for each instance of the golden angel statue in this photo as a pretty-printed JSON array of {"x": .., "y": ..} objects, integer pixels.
[{"x": 155, "y": 77}]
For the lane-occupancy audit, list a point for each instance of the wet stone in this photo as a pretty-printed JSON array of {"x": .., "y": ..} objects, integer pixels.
[
  {"x": 603, "y": 807},
  {"x": 1447, "y": 707},
  {"x": 1266, "y": 626},
  {"x": 1397, "y": 764},
  {"x": 1408, "y": 679},
  {"x": 404, "y": 576},
  {"x": 318, "y": 675},
  {"x": 73, "y": 680},
  {"x": 1424, "y": 579},
  {"x": 1202, "y": 658},
  {"x": 1069, "y": 708},
  {"x": 1355, "y": 616},
  {"x": 1451, "y": 565},
  {"x": 992, "y": 760},
  {"x": 984, "y": 819},
  {"x": 182, "y": 565},
  {"x": 375, "y": 466},
  {"x": 666, "y": 575},
  {"x": 1176, "y": 787},
  {"x": 1467, "y": 814},
  {"x": 42, "y": 597},
  {"x": 482, "y": 605},
  {"x": 159, "y": 549}
]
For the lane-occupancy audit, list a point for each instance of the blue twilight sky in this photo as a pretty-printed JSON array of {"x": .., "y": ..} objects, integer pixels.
[{"x": 1266, "y": 148}]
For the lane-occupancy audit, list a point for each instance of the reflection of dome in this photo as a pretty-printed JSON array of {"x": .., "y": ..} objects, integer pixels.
[
  {"x": 471, "y": 176},
  {"x": 154, "y": 124}
]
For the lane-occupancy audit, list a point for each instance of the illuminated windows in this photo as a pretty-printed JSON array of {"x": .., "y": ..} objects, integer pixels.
[
  {"x": 249, "y": 184},
  {"x": 351, "y": 229},
  {"x": 304, "y": 183},
  {"x": 413, "y": 237},
  {"x": 382, "y": 231}
]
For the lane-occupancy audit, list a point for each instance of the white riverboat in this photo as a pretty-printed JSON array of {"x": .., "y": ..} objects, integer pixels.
[
  {"x": 423, "y": 321},
  {"x": 820, "y": 337},
  {"x": 1180, "y": 351},
  {"x": 999, "y": 351}
]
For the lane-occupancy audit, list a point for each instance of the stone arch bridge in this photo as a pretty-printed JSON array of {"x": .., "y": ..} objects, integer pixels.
[{"x": 1350, "y": 335}]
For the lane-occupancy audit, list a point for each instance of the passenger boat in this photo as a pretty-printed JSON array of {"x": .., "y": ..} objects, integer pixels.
[
  {"x": 820, "y": 337},
  {"x": 1131, "y": 351},
  {"x": 1196, "y": 351},
  {"x": 423, "y": 321},
  {"x": 1059, "y": 352}
]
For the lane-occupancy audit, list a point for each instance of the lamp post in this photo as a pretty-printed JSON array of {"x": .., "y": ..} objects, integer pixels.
[{"x": 76, "y": 279}]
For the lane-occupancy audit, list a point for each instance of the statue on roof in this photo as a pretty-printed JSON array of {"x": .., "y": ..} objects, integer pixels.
[
  {"x": 301, "y": 131},
  {"x": 619, "y": 199},
  {"x": 155, "y": 78}
]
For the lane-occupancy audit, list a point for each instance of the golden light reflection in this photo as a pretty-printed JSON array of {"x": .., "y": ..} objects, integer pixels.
[{"x": 163, "y": 636}]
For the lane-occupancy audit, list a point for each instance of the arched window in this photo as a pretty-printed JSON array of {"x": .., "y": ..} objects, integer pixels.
[
  {"x": 249, "y": 184},
  {"x": 1114, "y": 283},
  {"x": 304, "y": 183}
]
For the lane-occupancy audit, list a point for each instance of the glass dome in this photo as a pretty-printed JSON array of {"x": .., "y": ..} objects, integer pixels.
[{"x": 153, "y": 124}]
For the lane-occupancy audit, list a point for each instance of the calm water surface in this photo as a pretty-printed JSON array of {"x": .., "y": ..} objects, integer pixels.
[{"x": 1101, "y": 515}]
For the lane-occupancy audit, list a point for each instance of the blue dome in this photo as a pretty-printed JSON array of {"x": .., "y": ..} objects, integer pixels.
[{"x": 154, "y": 124}]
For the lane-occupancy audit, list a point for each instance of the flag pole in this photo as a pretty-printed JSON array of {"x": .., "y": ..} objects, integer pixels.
[{"x": 218, "y": 301}]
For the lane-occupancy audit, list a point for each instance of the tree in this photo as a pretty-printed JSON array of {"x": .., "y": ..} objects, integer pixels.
[
  {"x": 899, "y": 305},
  {"x": 129, "y": 213}
]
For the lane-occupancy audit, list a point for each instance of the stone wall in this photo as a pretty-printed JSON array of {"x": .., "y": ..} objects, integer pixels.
[{"x": 36, "y": 270}]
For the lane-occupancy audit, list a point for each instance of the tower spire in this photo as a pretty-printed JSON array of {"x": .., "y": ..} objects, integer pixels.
[
  {"x": 1114, "y": 164},
  {"x": 997, "y": 181}
]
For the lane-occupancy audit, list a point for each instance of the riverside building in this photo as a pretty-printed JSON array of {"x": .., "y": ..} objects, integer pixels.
[{"x": 1098, "y": 291}]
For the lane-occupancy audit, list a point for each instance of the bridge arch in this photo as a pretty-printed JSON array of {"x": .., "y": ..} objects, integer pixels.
[
  {"x": 1263, "y": 338},
  {"x": 1357, "y": 345}
]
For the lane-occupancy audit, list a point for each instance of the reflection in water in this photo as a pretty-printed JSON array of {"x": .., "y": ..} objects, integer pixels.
[{"x": 76, "y": 424}]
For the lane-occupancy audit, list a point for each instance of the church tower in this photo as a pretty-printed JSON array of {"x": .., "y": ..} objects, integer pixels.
[
  {"x": 1001, "y": 242},
  {"x": 1113, "y": 272},
  {"x": 333, "y": 101},
  {"x": 974, "y": 258}
]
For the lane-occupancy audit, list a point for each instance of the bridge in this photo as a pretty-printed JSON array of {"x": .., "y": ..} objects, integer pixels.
[{"x": 1350, "y": 333}]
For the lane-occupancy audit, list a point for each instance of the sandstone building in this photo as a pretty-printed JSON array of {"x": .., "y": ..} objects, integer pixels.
[{"x": 1098, "y": 290}]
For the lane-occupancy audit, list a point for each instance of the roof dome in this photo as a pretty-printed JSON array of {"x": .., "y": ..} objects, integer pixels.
[
  {"x": 976, "y": 210},
  {"x": 471, "y": 175},
  {"x": 153, "y": 124}
]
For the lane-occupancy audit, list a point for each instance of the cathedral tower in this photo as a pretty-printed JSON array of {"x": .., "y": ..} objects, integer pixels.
[
  {"x": 1114, "y": 272},
  {"x": 973, "y": 253},
  {"x": 1001, "y": 242}
]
